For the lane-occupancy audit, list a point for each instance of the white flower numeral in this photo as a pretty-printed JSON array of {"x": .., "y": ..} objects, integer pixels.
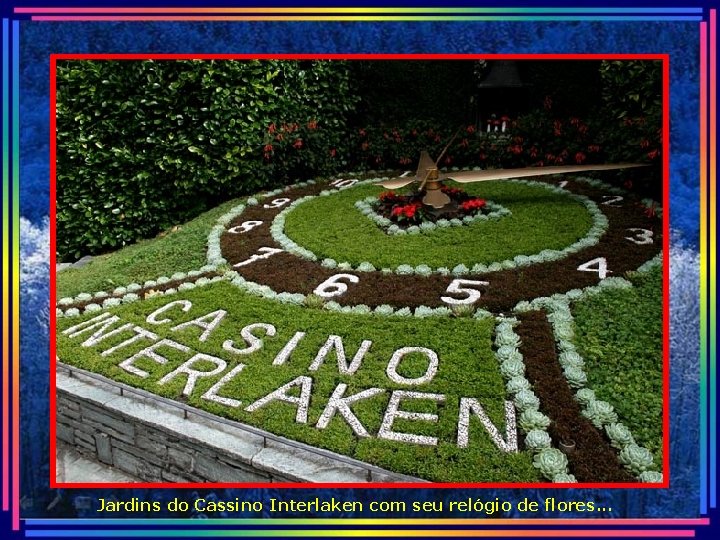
[
  {"x": 563, "y": 183},
  {"x": 598, "y": 265},
  {"x": 266, "y": 252},
  {"x": 339, "y": 183},
  {"x": 610, "y": 200},
  {"x": 642, "y": 236},
  {"x": 244, "y": 227},
  {"x": 332, "y": 286},
  {"x": 460, "y": 286},
  {"x": 277, "y": 203}
]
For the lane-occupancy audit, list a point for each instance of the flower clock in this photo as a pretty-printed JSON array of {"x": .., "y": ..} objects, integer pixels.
[{"x": 444, "y": 344}]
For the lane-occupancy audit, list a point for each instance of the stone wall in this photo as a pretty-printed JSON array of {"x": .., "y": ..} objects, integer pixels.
[{"x": 157, "y": 442}]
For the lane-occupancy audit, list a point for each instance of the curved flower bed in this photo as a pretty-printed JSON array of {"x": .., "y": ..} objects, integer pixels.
[{"x": 529, "y": 297}]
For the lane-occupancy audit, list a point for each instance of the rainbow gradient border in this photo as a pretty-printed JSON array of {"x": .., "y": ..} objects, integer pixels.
[{"x": 357, "y": 527}]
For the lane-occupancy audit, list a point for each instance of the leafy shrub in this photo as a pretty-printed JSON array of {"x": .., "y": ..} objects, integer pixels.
[{"x": 143, "y": 145}]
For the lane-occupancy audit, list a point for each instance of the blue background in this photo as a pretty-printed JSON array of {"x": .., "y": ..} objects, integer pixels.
[{"x": 680, "y": 40}]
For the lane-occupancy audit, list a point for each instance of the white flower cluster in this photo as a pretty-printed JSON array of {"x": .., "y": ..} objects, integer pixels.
[
  {"x": 601, "y": 413},
  {"x": 551, "y": 462},
  {"x": 652, "y": 263},
  {"x": 366, "y": 208},
  {"x": 214, "y": 254},
  {"x": 594, "y": 182}
]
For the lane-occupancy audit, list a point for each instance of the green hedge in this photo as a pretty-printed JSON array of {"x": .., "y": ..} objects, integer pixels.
[{"x": 143, "y": 145}]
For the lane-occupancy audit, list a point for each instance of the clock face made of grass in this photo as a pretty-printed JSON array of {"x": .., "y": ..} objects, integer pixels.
[{"x": 440, "y": 351}]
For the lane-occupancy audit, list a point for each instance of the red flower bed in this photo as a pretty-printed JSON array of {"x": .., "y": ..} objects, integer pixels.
[{"x": 407, "y": 210}]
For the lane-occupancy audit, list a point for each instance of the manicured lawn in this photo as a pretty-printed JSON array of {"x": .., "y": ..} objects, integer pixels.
[
  {"x": 178, "y": 251},
  {"x": 331, "y": 227},
  {"x": 467, "y": 368},
  {"x": 619, "y": 334}
]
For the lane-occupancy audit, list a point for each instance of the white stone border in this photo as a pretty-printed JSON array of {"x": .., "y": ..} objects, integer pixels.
[
  {"x": 599, "y": 227},
  {"x": 637, "y": 459}
]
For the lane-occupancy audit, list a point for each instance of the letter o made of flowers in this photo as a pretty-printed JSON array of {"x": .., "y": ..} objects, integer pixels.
[{"x": 398, "y": 355}]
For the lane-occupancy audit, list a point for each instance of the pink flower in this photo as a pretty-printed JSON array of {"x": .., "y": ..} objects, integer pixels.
[
  {"x": 580, "y": 158},
  {"x": 298, "y": 143}
]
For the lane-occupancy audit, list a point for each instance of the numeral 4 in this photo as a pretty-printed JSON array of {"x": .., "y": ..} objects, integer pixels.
[
  {"x": 462, "y": 286},
  {"x": 598, "y": 265}
]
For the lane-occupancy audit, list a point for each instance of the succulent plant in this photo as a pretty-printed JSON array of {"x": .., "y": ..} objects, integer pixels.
[
  {"x": 460, "y": 270},
  {"x": 512, "y": 368},
  {"x": 384, "y": 309},
  {"x": 564, "y": 478},
  {"x": 571, "y": 359},
  {"x": 507, "y": 339},
  {"x": 405, "y": 270},
  {"x": 366, "y": 267},
  {"x": 526, "y": 400},
  {"x": 651, "y": 477},
  {"x": 600, "y": 413},
  {"x": 537, "y": 439},
  {"x": 111, "y": 302},
  {"x": 423, "y": 311},
  {"x": 551, "y": 462},
  {"x": 508, "y": 352},
  {"x": 517, "y": 383},
  {"x": 575, "y": 377},
  {"x": 619, "y": 435},
  {"x": 636, "y": 458}
]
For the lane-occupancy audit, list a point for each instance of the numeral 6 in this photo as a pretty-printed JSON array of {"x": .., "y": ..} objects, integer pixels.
[{"x": 332, "y": 286}]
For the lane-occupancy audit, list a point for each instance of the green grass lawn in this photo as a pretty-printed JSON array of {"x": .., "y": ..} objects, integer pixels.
[
  {"x": 180, "y": 250},
  {"x": 619, "y": 334},
  {"x": 332, "y": 227},
  {"x": 467, "y": 368}
]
